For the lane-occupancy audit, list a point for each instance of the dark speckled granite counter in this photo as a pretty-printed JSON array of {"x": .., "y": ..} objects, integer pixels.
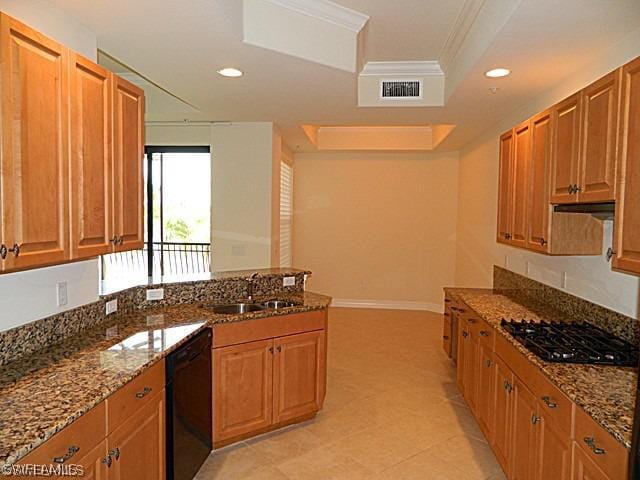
[
  {"x": 606, "y": 393},
  {"x": 45, "y": 391}
]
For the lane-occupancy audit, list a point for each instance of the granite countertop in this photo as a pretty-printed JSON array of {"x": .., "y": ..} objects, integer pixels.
[
  {"x": 47, "y": 391},
  {"x": 606, "y": 393}
]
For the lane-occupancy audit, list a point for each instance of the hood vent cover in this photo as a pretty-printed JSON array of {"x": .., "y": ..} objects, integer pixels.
[{"x": 399, "y": 89}]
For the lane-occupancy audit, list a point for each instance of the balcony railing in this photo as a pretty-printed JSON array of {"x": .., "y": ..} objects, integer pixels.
[{"x": 169, "y": 258}]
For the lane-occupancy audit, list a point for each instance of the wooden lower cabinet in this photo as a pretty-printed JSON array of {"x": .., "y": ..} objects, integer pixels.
[
  {"x": 554, "y": 451},
  {"x": 267, "y": 373},
  {"x": 584, "y": 468},
  {"x": 524, "y": 421},
  {"x": 502, "y": 422},
  {"x": 242, "y": 382},
  {"x": 485, "y": 404},
  {"x": 298, "y": 375},
  {"x": 137, "y": 447},
  {"x": 94, "y": 463}
]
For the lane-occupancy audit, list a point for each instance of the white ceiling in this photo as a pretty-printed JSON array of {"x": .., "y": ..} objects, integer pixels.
[{"x": 180, "y": 45}]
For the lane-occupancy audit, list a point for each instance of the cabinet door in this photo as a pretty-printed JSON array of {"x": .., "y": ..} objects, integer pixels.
[
  {"x": 627, "y": 223},
  {"x": 90, "y": 165},
  {"x": 471, "y": 369},
  {"x": 137, "y": 447},
  {"x": 521, "y": 162},
  {"x": 298, "y": 375},
  {"x": 34, "y": 83},
  {"x": 243, "y": 396},
  {"x": 447, "y": 333},
  {"x": 463, "y": 339},
  {"x": 599, "y": 132},
  {"x": 539, "y": 206},
  {"x": 486, "y": 391},
  {"x": 128, "y": 145},
  {"x": 565, "y": 149},
  {"x": 524, "y": 425},
  {"x": 554, "y": 451},
  {"x": 502, "y": 409},
  {"x": 584, "y": 468},
  {"x": 505, "y": 187},
  {"x": 94, "y": 463}
]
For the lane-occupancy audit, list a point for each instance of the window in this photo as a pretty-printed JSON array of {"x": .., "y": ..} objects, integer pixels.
[
  {"x": 177, "y": 217},
  {"x": 286, "y": 213}
]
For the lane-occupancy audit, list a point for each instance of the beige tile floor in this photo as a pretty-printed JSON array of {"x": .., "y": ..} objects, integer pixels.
[{"x": 392, "y": 412}]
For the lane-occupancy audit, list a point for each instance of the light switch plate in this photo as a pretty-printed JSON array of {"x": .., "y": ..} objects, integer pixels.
[
  {"x": 289, "y": 281},
  {"x": 111, "y": 306},
  {"x": 155, "y": 294},
  {"x": 63, "y": 297}
]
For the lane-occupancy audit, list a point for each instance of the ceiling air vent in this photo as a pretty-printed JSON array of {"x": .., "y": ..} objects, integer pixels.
[{"x": 399, "y": 89}]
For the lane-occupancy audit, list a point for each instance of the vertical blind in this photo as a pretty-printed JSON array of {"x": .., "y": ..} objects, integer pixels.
[{"x": 286, "y": 213}]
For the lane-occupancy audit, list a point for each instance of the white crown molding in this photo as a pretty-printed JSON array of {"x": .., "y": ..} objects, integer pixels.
[
  {"x": 387, "y": 305},
  {"x": 464, "y": 21},
  {"x": 397, "y": 69},
  {"x": 326, "y": 11}
]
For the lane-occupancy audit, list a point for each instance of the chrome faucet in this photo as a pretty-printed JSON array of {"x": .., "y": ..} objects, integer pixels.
[{"x": 250, "y": 282}]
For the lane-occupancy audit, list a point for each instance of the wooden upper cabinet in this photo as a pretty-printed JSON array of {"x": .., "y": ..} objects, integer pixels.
[
  {"x": 597, "y": 176},
  {"x": 627, "y": 223},
  {"x": 521, "y": 156},
  {"x": 90, "y": 165},
  {"x": 128, "y": 144},
  {"x": 505, "y": 187},
  {"x": 34, "y": 83},
  {"x": 539, "y": 208},
  {"x": 299, "y": 375},
  {"x": 565, "y": 149}
]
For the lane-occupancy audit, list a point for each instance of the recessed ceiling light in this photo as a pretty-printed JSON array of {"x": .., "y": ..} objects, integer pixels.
[
  {"x": 498, "y": 72},
  {"x": 231, "y": 72}
]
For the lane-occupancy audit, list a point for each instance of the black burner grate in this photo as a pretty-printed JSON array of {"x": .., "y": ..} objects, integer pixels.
[{"x": 572, "y": 343}]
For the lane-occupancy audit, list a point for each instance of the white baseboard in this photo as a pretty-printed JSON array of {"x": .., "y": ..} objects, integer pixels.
[{"x": 387, "y": 304}]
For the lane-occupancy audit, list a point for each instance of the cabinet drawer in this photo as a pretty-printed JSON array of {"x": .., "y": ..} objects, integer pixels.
[
  {"x": 234, "y": 333},
  {"x": 554, "y": 404},
  {"x": 487, "y": 335},
  {"x": 598, "y": 445},
  {"x": 74, "y": 441},
  {"x": 446, "y": 336},
  {"x": 134, "y": 395}
]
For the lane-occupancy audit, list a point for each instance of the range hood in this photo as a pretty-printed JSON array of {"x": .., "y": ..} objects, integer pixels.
[{"x": 604, "y": 210}]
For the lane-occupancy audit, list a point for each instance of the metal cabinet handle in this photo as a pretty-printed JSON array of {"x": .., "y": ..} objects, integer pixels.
[
  {"x": 447, "y": 300},
  {"x": 507, "y": 236},
  {"x": 591, "y": 443},
  {"x": 535, "y": 419},
  {"x": 543, "y": 242},
  {"x": 271, "y": 350},
  {"x": 610, "y": 253},
  {"x": 278, "y": 348},
  {"x": 114, "y": 240},
  {"x": 108, "y": 461},
  {"x": 15, "y": 250},
  {"x": 507, "y": 386},
  {"x": 465, "y": 334},
  {"x": 3, "y": 251},
  {"x": 576, "y": 188},
  {"x": 570, "y": 189},
  {"x": 120, "y": 240},
  {"x": 447, "y": 314},
  {"x": 115, "y": 453},
  {"x": 547, "y": 400},
  {"x": 488, "y": 363},
  {"x": 71, "y": 451},
  {"x": 484, "y": 333},
  {"x": 471, "y": 320},
  {"x": 445, "y": 337},
  {"x": 145, "y": 391}
]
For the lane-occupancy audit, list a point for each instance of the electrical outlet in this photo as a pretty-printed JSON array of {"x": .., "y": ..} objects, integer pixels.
[
  {"x": 111, "y": 306},
  {"x": 155, "y": 294},
  {"x": 63, "y": 298},
  {"x": 289, "y": 281}
]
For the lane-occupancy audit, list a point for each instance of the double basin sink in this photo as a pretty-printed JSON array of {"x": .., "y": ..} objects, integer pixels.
[{"x": 239, "y": 308}]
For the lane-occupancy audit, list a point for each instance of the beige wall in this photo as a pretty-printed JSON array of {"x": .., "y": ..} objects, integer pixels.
[
  {"x": 477, "y": 250},
  {"x": 376, "y": 227}
]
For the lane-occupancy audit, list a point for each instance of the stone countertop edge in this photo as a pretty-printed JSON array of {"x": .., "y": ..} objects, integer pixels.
[
  {"x": 10, "y": 454},
  {"x": 598, "y": 411}
]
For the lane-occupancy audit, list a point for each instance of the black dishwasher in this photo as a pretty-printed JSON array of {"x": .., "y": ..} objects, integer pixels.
[{"x": 188, "y": 420}]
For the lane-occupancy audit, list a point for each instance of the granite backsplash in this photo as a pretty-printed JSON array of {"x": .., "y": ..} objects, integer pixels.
[
  {"x": 222, "y": 287},
  {"x": 530, "y": 292}
]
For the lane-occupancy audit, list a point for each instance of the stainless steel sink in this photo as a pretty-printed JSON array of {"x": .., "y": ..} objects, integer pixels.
[
  {"x": 277, "y": 304},
  {"x": 235, "y": 308},
  {"x": 240, "y": 308}
]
